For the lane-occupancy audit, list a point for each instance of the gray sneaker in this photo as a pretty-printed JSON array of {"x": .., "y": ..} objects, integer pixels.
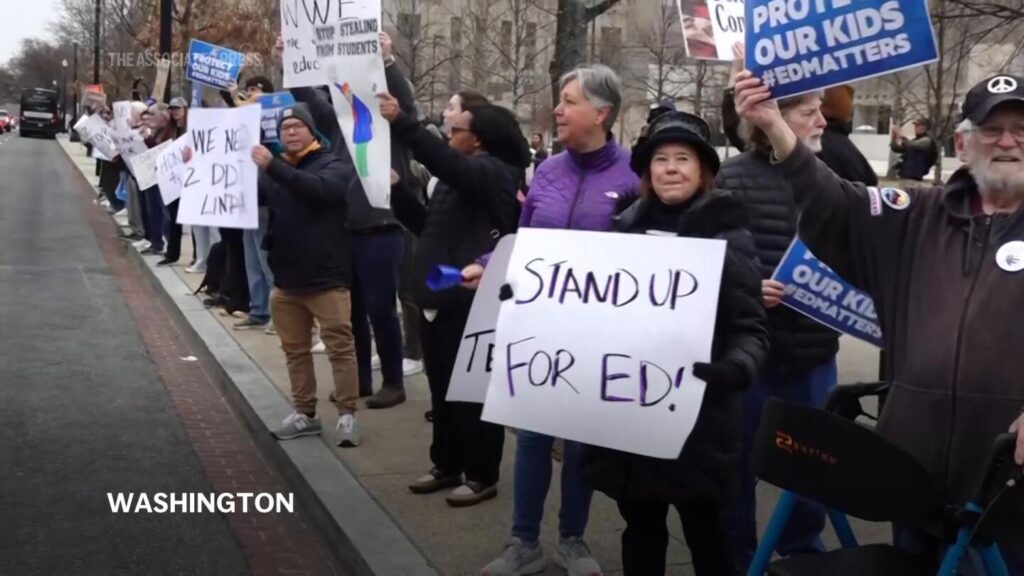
[
  {"x": 518, "y": 558},
  {"x": 348, "y": 431},
  {"x": 574, "y": 556},
  {"x": 298, "y": 424}
]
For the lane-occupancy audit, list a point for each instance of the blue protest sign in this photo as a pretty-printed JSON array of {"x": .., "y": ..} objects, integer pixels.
[
  {"x": 272, "y": 105},
  {"x": 799, "y": 46},
  {"x": 813, "y": 289},
  {"x": 213, "y": 65}
]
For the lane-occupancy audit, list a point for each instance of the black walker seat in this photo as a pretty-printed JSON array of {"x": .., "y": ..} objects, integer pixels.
[{"x": 849, "y": 468}]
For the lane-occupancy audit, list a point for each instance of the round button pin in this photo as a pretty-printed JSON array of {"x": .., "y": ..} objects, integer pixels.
[{"x": 1010, "y": 256}]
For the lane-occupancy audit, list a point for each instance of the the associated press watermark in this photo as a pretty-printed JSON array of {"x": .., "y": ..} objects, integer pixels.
[
  {"x": 150, "y": 59},
  {"x": 200, "y": 503}
]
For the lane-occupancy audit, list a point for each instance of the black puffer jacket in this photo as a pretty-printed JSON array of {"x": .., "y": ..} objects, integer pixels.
[
  {"x": 473, "y": 205},
  {"x": 308, "y": 243},
  {"x": 798, "y": 342},
  {"x": 705, "y": 469}
]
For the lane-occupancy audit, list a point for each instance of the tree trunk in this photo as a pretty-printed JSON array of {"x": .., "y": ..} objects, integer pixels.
[{"x": 571, "y": 38}]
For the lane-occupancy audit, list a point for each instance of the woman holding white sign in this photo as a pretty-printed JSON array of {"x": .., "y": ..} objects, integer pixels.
[
  {"x": 579, "y": 189},
  {"x": 678, "y": 168}
]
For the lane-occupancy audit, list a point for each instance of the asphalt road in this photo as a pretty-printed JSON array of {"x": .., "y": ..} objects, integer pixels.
[{"x": 82, "y": 411}]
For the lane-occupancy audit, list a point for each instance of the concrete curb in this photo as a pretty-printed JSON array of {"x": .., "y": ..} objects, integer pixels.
[{"x": 359, "y": 531}]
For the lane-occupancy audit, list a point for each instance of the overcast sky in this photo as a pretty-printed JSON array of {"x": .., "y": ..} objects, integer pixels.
[{"x": 28, "y": 20}]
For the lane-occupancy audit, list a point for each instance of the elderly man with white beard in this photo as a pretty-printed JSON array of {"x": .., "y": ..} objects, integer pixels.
[{"x": 945, "y": 266}]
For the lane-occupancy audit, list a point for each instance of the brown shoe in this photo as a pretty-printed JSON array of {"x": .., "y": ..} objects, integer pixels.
[
  {"x": 434, "y": 481},
  {"x": 386, "y": 397},
  {"x": 471, "y": 494}
]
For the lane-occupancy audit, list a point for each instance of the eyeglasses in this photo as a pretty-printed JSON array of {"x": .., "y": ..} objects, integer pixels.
[
  {"x": 292, "y": 128},
  {"x": 993, "y": 134}
]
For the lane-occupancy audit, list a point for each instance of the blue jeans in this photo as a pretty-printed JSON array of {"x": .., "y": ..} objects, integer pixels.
[
  {"x": 803, "y": 533},
  {"x": 532, "y": 480},
  {"x": 376, "y": 259},
  {"x": 153, "y": 204},
  {"x": 257, "y": 270}
]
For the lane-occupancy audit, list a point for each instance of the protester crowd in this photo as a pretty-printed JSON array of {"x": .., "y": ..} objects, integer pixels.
[{"x": 324, "y": 264}]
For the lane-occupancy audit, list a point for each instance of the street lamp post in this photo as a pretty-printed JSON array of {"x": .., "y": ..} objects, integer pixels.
[
  {"x": 63, "y": 95},
  {"x": 74, "y": 106},
  {"x": 96, "y": 43}
]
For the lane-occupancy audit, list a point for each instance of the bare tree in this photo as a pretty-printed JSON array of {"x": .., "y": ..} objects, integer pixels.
[
  {"x": 572, "y": 19},
  {"x": 420, "y": 46},
  {"x": 508, "y": 38}
]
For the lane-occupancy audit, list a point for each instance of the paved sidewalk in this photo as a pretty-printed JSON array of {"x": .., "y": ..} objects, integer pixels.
[{"x": 395, "y": 451}]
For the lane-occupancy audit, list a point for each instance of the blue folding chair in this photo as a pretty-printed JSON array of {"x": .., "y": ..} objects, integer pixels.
[{"x": 853, "y": 471}]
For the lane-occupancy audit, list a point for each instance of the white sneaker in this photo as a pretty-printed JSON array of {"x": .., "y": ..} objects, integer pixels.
[
  {"x": 348, "y": 431},
  {"x": 141, "y": 244},
  {"x": 121, "y": 212},
  {"x": 375, "y": 362},
  {"x": 298, "y": 424},
  {"x": 411, "y": 367},
  {"x": 319, "y": 348},
  {"x": 518, "y": 558},
  {"x": 574, "y": 556},
  {"x": 195, "y": 270}
]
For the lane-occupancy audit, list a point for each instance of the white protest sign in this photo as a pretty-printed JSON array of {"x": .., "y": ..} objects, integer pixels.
[
  {"x": 598, "y": 342},
  {"x": 348, "y": 46},
  {"x": 170, "y": 168},
  {"x": 129, "y": 143},
  {"x": 711, "y": 27},
  {"x": 96, "y": 154},
  {"x": 97, "y": 132},
  {"x": 219, "y": 182},
  {"x": 122, "y": 115},
  {"x": 144, "y": 165},
  {"x": 475, "y": 358},
  {"x": 300, "y": 62}
]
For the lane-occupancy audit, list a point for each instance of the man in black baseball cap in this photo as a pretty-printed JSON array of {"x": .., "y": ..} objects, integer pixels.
[
  {"x": 990, "y": 94},
  {"x": 945, "y": 268}
]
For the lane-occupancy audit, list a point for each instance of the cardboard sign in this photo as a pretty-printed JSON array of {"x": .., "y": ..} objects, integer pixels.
[
  {"x": 815, "y": 290},
  {"x": 272, "y": 105},
  {"x": 170, "y": 169},
  {"x": 476, "y": 352},
  {"x": 802, "y": 46},
  {"x": 143, "y": 165},
  {"x": 163, "y": 71},
  {"x": 711, "y": 27},
  {"x": 598, "y": 341},
  {"x": 122, "y": 116},
  {"x": 219, "y": 182},
  {"x": 348, "y": 46},
  {"x": 213, "y": 65},
  {"x": 300, "y": 62},
  {"x": 97, "y": 132}
]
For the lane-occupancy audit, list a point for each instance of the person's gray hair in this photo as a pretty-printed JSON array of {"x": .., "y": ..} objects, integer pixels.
[
  {"x": 601, "y": 87},
  {"x": 161, "y": 109}
]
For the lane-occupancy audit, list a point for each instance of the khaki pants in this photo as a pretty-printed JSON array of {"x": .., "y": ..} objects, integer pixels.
[{"x": 293, "y": 317}]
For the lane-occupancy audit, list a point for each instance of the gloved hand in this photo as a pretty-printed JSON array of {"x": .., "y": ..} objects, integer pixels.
[{"x": 724, "y": 375}]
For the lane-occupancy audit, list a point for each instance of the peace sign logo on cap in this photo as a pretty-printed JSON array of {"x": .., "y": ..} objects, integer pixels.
[{"x": 1002, "y": 85}]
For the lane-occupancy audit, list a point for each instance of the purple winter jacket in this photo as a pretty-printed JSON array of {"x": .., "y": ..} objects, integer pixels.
[{"x": 581, "y": 191}]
